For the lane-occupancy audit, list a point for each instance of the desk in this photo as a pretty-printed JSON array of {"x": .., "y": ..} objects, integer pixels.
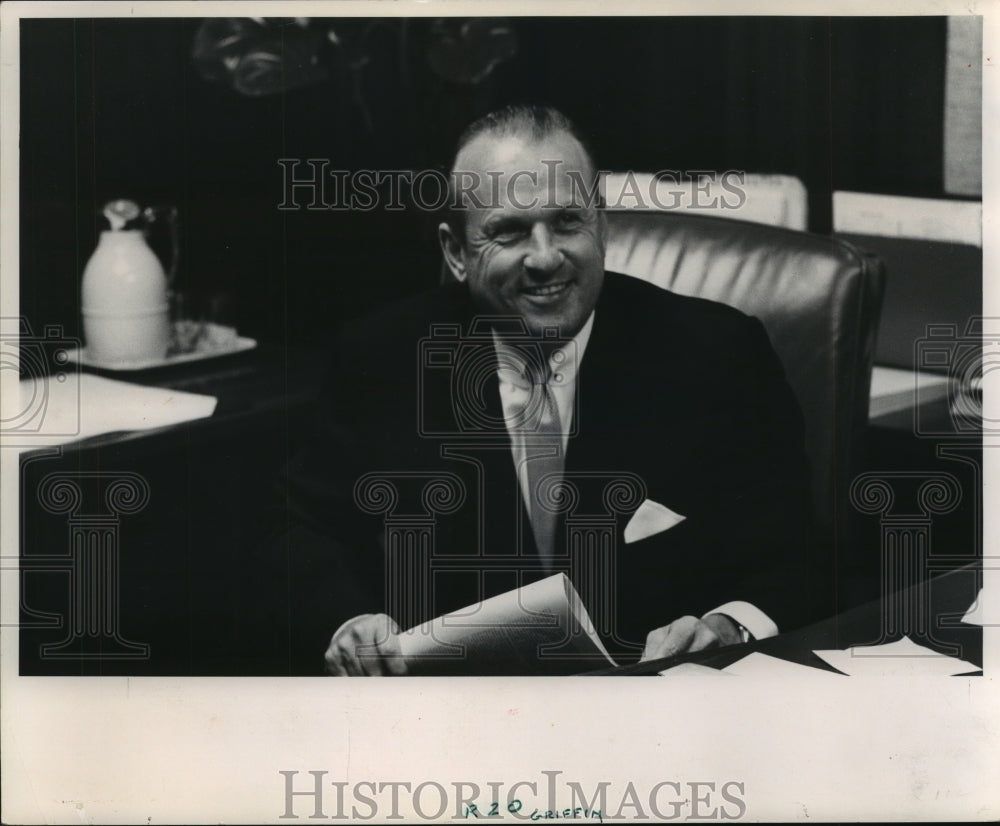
[
  {"x": 947, "y": 597},
  {"x": 190, "y": 564}
]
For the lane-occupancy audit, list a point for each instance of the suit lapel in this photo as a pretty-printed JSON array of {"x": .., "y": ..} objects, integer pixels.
[
  {"x": 497, "y": 526},
  {"x": 603, "y": 395},
  {"x": 626, "y": 422}
]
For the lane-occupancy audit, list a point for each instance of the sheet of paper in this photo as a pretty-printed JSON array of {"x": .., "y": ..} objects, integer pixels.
[
  {"x": 894, "y": 216},
  {"x": 756, "y": 664},
  {"x": 539, "y": 628},
  {"x": 982, "y": 613},
  {"x": 48, "y": 411},
  {"x": 901, "y": 658},
  {"x": 896, "y": 389}
]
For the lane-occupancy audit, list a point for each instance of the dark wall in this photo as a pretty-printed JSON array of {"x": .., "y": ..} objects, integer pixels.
[{"x": 116, "y": 108}]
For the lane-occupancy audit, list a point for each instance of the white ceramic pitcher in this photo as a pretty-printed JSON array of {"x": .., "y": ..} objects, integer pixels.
[{"x": 124, "y": 295}]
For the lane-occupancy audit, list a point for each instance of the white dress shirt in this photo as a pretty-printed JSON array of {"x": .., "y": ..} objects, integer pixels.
[
  {"x": 565, "y": 365},
  {"x": 514, "y": 394}
]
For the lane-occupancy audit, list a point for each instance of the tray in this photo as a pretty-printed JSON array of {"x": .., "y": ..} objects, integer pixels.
[{"x": 78, "y": 355}]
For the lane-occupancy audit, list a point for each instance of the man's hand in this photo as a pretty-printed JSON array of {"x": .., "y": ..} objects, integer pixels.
[
  {"x": 690, "y": 634},
  {"x": 366, "y": 646}
]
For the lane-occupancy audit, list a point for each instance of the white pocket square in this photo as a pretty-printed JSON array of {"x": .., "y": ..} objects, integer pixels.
[{"x": 651, "y": 518}]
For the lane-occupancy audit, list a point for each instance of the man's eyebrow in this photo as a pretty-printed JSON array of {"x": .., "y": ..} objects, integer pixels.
[{"x": 496, "y": 223}]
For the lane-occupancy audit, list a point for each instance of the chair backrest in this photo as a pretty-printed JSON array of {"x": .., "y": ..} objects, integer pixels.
[
  {"x": 779, "y": 200},
  {"x": 817, "y": 297}
]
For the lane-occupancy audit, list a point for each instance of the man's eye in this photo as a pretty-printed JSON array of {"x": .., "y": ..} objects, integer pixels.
[
  {"x": 507, "y": 235},
  {"x": 568, "y": 219}
]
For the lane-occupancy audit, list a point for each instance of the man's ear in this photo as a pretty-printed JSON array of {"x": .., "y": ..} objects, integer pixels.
[{"x": 453, "y": 251}]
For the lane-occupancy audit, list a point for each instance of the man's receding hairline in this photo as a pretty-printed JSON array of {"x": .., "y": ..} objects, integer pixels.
[{"x": 529, "y": 135}]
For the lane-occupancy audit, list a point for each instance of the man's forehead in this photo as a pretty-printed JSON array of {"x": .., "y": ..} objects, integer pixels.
[
  {"x": 492, "y": 150},
  {"x": 495, "y": 173}
]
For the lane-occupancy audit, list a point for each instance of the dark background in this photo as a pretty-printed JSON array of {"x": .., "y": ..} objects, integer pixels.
[{"x": 116, "y": 108}]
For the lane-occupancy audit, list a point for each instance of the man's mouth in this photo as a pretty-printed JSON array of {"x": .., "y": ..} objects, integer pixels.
[{"x": 546, "y": 290}]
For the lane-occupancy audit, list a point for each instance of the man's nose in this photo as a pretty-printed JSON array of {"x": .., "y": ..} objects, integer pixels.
[{"x": 545, "y": 257}]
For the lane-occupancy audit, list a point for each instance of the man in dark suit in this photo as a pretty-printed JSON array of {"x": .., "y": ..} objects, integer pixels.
[{"x": 541, "y": 415}]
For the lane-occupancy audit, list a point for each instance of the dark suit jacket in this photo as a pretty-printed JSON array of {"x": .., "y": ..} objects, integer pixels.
[{"x": 679, "y": 400}]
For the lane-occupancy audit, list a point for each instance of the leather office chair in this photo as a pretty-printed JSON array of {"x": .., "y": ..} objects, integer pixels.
[{"x": 819, "y": 299}]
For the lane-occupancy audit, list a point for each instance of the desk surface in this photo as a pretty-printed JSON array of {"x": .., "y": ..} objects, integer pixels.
[
  {"x": 249, "y": 386},
  {"x": 188, "y": 559},
  {"x": 948, "y": 597}
]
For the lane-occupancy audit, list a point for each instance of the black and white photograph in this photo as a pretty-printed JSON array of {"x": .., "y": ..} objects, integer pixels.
[{"x": 511, "y": 355}]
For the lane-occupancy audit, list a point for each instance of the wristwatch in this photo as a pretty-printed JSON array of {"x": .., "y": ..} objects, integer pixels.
[
  {"x": 744, "y": 632},
  {"x": 745, "y": 635}
]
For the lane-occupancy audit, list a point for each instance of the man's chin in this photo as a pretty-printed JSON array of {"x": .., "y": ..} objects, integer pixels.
[{"x": 566, "y": 327}]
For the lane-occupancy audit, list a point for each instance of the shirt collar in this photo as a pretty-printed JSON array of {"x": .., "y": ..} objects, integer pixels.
[{"x": 565, "y": 362}]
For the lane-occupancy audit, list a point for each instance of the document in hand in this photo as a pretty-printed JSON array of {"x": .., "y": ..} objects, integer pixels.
[{"x": 538, "y": 629}]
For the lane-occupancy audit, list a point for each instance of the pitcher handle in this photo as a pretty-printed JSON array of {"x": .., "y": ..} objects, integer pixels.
[{"x": 167, "y": 213}]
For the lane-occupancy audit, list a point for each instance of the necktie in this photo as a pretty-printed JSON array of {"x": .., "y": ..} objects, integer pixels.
[{"x": 544, "y": 455}]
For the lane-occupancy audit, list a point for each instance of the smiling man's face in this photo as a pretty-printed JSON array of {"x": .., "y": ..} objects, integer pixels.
[{"x": 536, "y": 247}]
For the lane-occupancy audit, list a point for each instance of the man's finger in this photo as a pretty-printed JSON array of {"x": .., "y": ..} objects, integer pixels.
[
  {"x": 370, "y": 659},
  {"x": 333, "y": 664},
  {"x": 654, "y": 642},
  {"x": 388, "y": 649},
  {"x": 339, "y": 657},
  {"x": 703, "y": 637},
  {"x": 359, "y": 649},
  {"x": 680, "y": 636},
  {"x": 670, "y": 640},
  {"x": 367, "y": 646},
  {"x": 347, "y": 653},
  {"x": 378, "y": 652},
  {"x": 392, "y": 656}
]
